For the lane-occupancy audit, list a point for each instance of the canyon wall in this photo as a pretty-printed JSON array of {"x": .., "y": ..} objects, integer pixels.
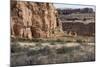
[
  {"x": 33, "y": 20},
  {"x": 80, "y": 22},
  {"x": 80, "y": 29}
]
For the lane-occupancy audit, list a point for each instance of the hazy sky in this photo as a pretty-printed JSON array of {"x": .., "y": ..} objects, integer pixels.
[{"x": 73, "y": 6}]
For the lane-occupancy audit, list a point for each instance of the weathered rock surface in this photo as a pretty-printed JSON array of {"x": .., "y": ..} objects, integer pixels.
[
  {"x": 78, "y": 24},
  {"x": 80, "y": 29},
  {"x": 33, "y": 20}
]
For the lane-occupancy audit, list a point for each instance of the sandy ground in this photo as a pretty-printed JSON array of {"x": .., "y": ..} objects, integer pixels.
[{"x": 58, "y": 45}]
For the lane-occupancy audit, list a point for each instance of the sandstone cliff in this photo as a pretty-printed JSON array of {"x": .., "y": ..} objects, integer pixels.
[{"x": 33, "y": 20}]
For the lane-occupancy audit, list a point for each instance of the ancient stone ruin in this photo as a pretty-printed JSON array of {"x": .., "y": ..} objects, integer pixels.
[{"x": 33, "y": 20}]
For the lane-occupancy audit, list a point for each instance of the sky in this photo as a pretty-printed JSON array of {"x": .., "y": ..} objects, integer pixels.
[{"x": 73, "y": 6}]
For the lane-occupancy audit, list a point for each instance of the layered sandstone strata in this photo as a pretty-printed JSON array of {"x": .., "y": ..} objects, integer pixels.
[{"x": 33, "y": 20}]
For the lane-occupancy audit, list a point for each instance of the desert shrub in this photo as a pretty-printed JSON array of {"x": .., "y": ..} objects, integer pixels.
[
  {"x": 15, "y": 47},
  {"x": 43, "y": 51},
  {"x": 69, "y": 41},
  {"x": 79, "y": 41},
  {"x": 62, "y": 50},
  {"x": 37, "y": 40},
  {"x": 59, "y": 40},
  {"x": 52, "y": 43},
  {"x": 22, "y": 39},
  {"x": 67, "y": 49},
  {"x": 50, "y": 40},
  {"x": 32, "y": 52},
  {"x": 63, "y": 42},
  {"x": 12, "y": 39},
  {"x": 46, "y": 50},
  {"x": 39, "y": 44}
]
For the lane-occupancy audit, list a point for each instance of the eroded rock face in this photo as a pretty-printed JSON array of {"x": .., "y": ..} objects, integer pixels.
[{"x": 33, "y": 20}]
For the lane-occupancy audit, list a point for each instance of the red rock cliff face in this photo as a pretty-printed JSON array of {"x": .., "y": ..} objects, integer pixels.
[{"x": 33, "y": 20}]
